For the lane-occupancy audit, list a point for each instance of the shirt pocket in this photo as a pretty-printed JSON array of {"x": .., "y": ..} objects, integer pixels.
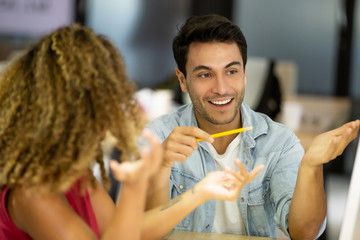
[
  {"x": 258, "y": 192},
  {"x": 260, "y": 209},
  {"x": 181, "y": 182}
]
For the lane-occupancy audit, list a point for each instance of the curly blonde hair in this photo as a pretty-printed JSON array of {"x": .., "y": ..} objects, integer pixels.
[{"x": 56, "y": 102}]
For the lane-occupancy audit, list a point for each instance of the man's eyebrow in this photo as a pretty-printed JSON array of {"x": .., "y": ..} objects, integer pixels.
[
  {"x": 233, "y": 63},
  {"x": 201, "y": 67}
]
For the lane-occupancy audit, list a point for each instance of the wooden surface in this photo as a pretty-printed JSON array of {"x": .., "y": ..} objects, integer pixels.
[
  {"x": 320, "y": 114},
  {"x": 184, "y": 235}
]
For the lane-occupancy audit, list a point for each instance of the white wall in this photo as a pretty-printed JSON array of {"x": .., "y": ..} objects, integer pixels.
[{"x": 301, "y": 31}]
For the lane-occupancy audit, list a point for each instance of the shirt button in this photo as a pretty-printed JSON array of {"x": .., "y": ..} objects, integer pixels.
[
  {"x": 246, "y": 162},
  {"x": 207, "y": 226},
  {"x": 242, "y": 199},
  {"x": 181, "y": 186}
]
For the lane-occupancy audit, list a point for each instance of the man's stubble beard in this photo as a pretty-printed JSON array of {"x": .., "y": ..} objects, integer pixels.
[{"x": 203, "y": 113}]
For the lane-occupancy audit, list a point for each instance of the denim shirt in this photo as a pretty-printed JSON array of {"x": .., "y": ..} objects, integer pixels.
[{"x": 264, "y": 203}]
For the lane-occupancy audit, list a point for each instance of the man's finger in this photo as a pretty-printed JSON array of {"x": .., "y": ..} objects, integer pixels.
[
  {"x": 340, "y": 130},
  {"x": 195, "y": 132}
]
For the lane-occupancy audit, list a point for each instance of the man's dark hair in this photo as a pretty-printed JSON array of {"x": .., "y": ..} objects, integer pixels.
[{"x": 206, "y": 28}]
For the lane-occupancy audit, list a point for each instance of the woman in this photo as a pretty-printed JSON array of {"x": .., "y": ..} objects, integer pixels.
[{"x": 57, "y": 102}]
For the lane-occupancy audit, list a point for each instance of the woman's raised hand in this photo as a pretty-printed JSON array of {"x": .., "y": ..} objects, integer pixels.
[{"x": 145, "y": 167}]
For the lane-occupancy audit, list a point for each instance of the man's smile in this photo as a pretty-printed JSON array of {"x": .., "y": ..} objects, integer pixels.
[{"x": 221, "y": 102}]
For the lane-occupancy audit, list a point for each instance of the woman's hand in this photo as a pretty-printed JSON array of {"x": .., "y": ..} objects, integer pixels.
[
  {"x": 226, "y": 185},
  {"x": 142, "y": 169}
]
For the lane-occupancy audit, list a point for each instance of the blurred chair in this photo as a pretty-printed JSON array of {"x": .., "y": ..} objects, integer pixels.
[
  {"x": 115, "y": 184},
  {"x": 269, "y": 82}
]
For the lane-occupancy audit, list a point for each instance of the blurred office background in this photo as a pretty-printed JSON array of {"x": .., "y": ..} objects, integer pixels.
[{"x": 315, "y": 46}]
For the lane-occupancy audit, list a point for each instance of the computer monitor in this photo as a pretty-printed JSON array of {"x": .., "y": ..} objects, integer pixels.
[
  {"x": 350, "y": 228},
  {"x": 35, "y": 18}
]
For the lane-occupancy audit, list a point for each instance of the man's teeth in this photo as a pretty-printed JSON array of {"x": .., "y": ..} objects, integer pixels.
[{"x": 221, "y": 102}]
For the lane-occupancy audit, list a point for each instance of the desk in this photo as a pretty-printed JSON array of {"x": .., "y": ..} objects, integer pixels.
[
  {"x": 184, "y": 235},
  {"x": 319, "y": 114}
]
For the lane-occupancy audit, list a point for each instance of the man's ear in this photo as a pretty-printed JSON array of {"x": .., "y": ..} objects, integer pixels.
[{"x": 182, "y": 80}]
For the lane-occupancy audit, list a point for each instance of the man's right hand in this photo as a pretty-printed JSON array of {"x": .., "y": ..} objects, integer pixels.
[{"x": 181, "y": 143}]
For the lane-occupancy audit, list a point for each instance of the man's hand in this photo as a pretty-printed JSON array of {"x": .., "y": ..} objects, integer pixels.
[
  {"x": 142, "y": 169},
  {"x": 226, "y": 185},
  {"x": 177, "y": 147},
  {"x": 327, "y": 146},
  {"x": 308, "y": 205},
  {"x": 181, "y": 143}
]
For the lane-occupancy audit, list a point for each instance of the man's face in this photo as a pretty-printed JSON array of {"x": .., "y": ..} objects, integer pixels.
[{"x": 215, "y": 81}]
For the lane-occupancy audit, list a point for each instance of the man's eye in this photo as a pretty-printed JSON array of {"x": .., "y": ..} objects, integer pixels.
[
  {"x": 233, "y": 71},
  {"x": 204, "y": 75}
]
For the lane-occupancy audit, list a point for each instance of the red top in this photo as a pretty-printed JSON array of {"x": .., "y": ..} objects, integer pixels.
[{"x": 80, "y": 203}]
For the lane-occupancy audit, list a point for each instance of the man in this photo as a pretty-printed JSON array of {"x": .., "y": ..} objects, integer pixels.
[{"x": 288, "y": 193}]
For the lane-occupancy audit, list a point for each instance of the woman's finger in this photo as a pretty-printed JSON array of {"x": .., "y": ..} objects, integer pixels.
[{"x": 254, "y": 172}]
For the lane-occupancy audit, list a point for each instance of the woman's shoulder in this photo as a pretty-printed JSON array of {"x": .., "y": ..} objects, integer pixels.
[
  {"x": 8, "y": 228},
  {"x": 23, "y": 203},
  {"x": 40, "y": 213}
]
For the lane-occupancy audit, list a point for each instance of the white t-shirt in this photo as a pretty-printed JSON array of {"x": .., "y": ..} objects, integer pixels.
[{"x": 227, "y": 214}]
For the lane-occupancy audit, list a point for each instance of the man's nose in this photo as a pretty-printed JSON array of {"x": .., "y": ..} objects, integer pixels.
[{"x": 219, "y": 85}]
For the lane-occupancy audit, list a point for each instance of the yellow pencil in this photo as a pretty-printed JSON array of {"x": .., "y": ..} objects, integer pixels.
[{"x": 238, "y": 130}]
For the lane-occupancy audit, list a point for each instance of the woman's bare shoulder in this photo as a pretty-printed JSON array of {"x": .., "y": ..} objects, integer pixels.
[
  {"x": 23, "y": 202},
  {"x": 45, "y": 215}
]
